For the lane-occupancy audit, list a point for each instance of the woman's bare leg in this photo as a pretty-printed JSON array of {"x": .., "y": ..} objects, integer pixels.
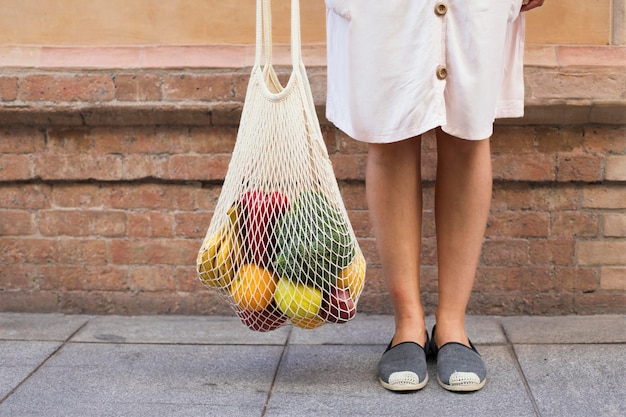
[
  {"x": 462, "y": 201},
  {"x": 394, "y": 195}
]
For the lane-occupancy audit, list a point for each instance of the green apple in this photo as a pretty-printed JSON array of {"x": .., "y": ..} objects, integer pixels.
[{"x": 297, "y": 300}]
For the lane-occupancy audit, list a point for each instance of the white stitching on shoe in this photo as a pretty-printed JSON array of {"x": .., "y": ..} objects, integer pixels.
[
  {"x": 464, "y": 379},
  {"x": 404, "y": 378}
]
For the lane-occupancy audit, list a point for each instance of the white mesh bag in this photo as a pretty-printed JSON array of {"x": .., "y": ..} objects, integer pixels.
[{"x": 280, "y": 248}]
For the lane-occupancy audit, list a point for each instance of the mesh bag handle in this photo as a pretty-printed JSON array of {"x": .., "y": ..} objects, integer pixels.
[{"x": 280, "y": 248}]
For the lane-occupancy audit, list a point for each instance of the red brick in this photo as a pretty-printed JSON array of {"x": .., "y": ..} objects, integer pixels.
[
  {"x": 82, "y": 223},
  {"x": 153, "y": 252},
  {"x": 552, "y": 251},
  {"x": 429, "y": 141},
  {"x": 499, "y": 278},
  {"x": 29, "y": 301},
  {"x": 108, "y": 224},
  {"x": 137, "y": 87},
  {"x": 150, "y": 224},
  {"x": 22, "y": 140},
  {"x": 604, "y": 197},
  {"x": 25, "y": 196},
  {"x": 82, "y": 277},
  {"x": 139, "y": 166},
  {"x": 575, "y": 223},
  {"x": 15, "y": 167},
  {"x": 616, "y": 168},
  {"x": 205, "y": 87},
  {"x": 553, "y": 198},
  {"x": 529, "y": 167},
  {"x": 585, "y": 279},
  {"x": 599, "y": 303},
  {"x": 359, "y": 220},
  {"x": 68, "y": 141},
  {"x": 329, "y": 135},
  {"x": 63, "y": 223},
  {"x": 206, "y": 198},
  {"x": 213, "y": 139},
  {"x": 78, "y": 167},
  {"x": 524, "y": 196},
  {"x": 76, "y": 196},
  {"x": 615, "y": 225},
  {"x": 518, "y": 224},
  {"x": 580, "y": 168},
  {"x": 505, "y": 252},
  {"x": 152, "y": 278},
  {"x": 349, "y": 167},
  {"x": 27, "y": 250},
  {"x": 186, "y": 279},
  {"x": 346, "y": 145},
  {"x": 17, "y": 277},
  {"x": 8, "y": 88},
  {"x": 605, "y": 140},
  {"x": 353, "y": 194},
  {"x": 198, "y": 167},
  {"x": 613, "y": 278},
  {"x": 565, "y": 139},
  {"x": 82, "y": 252},
  {"x": 225, "y": 114},
  {"x": 160, "y": 140},
  {"x": 538, "y": 279},
  {"x": 16, "y": 223},
  {"x": 150, "y": 196},
  {"x": 192, "y": 225},
  {"x": 109, "y": 139},
  {"x": 513, "y": 140},
  {"x": 429, "y": 166},
  {"x": 602, "y": 252},
  {"x": 550, "y": 303},
  {"x": 66, "y": 88}
]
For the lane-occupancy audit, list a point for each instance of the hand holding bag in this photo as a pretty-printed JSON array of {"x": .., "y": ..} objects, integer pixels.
[{"x": 280, "y": 248}]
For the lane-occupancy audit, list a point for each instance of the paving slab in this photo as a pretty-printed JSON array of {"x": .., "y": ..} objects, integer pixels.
[
  {"x": 176, "y": 330},
  {"x": 576, "y": 380},
  {"x": 54, "y": 327},
  {"x": 19, "y": 359},
  {"x": 336, "y": 380},
  {"x": 568, "y": 329},
  {"x": 85, "y": 379},
  {"x": 377, "y": 329}
]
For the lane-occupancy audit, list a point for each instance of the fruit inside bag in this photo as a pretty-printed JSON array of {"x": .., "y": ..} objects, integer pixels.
[{"x": 281, "y": 262}]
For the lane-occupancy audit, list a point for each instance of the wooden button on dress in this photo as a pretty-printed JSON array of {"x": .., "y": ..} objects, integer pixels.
[
  {"x": 442, "y": 72},
  {"x": 441, "y": 9}
]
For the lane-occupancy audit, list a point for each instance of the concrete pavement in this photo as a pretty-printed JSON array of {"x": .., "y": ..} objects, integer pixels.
[{"x": 77, "y": 365}]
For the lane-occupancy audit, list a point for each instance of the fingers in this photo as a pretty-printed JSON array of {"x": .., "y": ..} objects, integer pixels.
[{"x": 531, "y": 4}]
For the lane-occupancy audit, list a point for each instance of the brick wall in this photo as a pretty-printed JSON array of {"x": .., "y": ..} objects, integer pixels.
[{"x": 108, "y": 180}]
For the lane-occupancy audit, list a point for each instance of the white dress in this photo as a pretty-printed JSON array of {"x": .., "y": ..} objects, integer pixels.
[{"x": 398, "y": 68}]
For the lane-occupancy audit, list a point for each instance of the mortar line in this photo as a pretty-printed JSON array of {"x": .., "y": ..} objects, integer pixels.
[
  {"x": 520, "y": 370},
  {"x": 38, "y": 367}
]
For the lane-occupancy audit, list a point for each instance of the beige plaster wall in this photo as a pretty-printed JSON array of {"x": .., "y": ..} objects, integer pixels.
[{"x": 192, "y": 22}]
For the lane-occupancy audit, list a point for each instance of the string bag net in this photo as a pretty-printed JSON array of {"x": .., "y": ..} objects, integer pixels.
[{"x": 280, "y": 247}]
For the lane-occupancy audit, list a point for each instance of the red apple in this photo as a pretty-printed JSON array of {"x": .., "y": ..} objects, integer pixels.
[
  {"x": 270, "y": 318},
  {"x": 338, "y": 306}
]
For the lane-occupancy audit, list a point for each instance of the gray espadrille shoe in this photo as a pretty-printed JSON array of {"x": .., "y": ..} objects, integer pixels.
[
  {"x": 459, "y": 368},
  {"x": 402, "y": 368}
]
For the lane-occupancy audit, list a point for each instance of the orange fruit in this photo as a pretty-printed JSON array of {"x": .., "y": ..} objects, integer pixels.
[
  {"x": 253, "y": 287},
  {"x": 307, "y": 323},
  {"x": 352, "y": 277}
]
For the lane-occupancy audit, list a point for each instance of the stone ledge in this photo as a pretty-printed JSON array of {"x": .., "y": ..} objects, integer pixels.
[
  {"x": 241, "y": 56},
  {"x": 205, "y": 85}
]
